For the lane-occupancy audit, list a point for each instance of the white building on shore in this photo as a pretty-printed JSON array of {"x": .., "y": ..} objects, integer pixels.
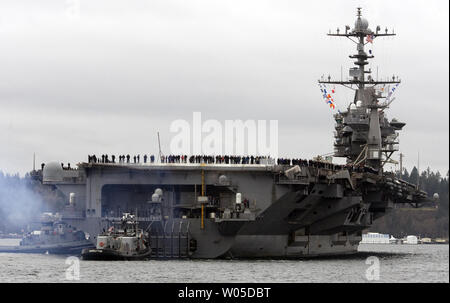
[
  {"x": 374, "y": 238},
  {"x": 410, "y": 240}
]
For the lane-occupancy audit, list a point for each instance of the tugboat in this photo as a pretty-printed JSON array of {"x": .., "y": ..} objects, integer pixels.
[
  {"x": 122, "y": 241},
  {"x": 54, "y": 237}
]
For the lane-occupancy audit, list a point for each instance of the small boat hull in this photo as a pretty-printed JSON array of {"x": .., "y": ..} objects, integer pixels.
[
  {"x": 67, "y": 248},
  {"x": 112, "y": 255}
]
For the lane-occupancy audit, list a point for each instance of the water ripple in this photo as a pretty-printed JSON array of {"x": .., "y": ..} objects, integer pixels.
[{"x": 398, "y": 263}]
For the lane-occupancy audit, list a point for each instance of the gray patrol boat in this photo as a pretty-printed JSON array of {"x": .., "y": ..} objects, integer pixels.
[
  {"x": 54, "y": 237},
  {"x": 262, "y": 209}
]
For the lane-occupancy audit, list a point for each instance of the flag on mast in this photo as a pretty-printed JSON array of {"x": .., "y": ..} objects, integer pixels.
[{"x": 370, "y": 38}]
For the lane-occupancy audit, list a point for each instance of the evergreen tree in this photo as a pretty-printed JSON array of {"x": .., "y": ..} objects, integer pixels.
[
  {"x": 414, "y": 176},
  {"x": 405, "y": 175}
]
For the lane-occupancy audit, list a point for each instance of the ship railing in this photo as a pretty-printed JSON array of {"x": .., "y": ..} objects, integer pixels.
[
  {"x": 390, "y": 147},
  {"x": 138, "y": 219},
  {"x": 361, "y": 119},
  {"x": 73, "y": 214}
]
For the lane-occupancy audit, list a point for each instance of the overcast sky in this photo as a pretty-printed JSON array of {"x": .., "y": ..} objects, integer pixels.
[{"x": 90, "y": 76}]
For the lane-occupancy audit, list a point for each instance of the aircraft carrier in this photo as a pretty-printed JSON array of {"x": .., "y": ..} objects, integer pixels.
[{"x": 257, "y": 209}]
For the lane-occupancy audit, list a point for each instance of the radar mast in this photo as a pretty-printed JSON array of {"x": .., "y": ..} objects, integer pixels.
[{"x": 363, "y": 134}]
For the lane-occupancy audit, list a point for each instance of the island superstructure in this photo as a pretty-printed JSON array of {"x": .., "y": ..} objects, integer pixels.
[{"x": 264, "y": 210}]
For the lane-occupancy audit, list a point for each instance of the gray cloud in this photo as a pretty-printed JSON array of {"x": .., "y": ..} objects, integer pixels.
[{"x": 109, "y": 79}]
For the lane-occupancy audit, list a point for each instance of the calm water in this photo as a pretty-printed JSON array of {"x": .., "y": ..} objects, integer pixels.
[{"x": 398, "y": 263}]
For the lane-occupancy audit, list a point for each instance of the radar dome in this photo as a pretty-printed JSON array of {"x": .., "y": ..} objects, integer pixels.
[
  {"x": 436, "y": 196},
  {"x": 223, "y": 179},
  {"x": 358, "y": 103},
  {"x": 347, "y": 129},
  {"x": 361, "y": 24},
  {"x": 155, "y": 197},
  {"x": 52, "y": 172},
  {"x": 158, "y": 191},
  {"x": 352, "y": 107}
]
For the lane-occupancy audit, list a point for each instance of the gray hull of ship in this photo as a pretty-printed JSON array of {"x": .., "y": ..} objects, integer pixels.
[{"x": 319, "y": 212}]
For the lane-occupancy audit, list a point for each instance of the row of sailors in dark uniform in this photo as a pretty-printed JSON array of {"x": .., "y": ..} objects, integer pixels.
[
  {"x": 62, "y": 165},
  {"x": 201, "y": 159},
  {"x": 226, "y": 160},
  {"x": 212, "y": 159},
  {"x": 121, "y": 158},
  {"x": 174, "y": 159}
]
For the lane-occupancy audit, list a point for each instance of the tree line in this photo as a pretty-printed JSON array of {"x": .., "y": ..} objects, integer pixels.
[{"x": 425, "y": 222}]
